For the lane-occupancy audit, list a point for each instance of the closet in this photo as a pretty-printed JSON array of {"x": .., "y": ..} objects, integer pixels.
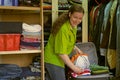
[
  {"x": 104, "y": 18},
  {"x": 29, "y": 15}
]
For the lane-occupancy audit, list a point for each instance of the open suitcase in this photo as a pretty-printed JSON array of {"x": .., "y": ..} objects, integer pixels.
[{"x": 90, "y": 49}]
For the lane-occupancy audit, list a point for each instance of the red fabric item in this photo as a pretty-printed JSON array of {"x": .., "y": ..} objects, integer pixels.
[
  {"x": 9, "y": 42},
  {"x": 2, "y": 39},
  {"x": 84, "y": 73}
]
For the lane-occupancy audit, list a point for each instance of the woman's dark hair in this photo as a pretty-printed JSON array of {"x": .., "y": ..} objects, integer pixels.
[{"x": 64, "y": 17}]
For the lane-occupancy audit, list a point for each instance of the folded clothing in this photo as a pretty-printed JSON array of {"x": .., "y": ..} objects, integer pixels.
[
  {"x": 27, "y": 72},
  {"x": 86, "y": 72},
  {"x": 81, "y": 60},
  {"x": 10, "y": 27},
  {"x": 9, "y": 71},
  {"x": 31, "y": 28},
  {"x": 96, "y": 69}
]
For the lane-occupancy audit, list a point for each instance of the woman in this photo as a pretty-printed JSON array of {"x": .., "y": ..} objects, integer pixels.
[{"x": 61, "y": 43}]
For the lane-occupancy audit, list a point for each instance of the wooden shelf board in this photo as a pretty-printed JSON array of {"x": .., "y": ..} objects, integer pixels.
[
  {"x": 58, "y": 10},
  {"x": 20, "y": 52},
  {"x": 20, "y": 8}
]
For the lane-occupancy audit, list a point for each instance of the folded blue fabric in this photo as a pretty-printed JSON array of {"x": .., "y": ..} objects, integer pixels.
[{"x": 9, "y": 71}]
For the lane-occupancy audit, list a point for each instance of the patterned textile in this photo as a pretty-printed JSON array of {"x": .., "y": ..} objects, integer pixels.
[{"x": 80, "y": 60}]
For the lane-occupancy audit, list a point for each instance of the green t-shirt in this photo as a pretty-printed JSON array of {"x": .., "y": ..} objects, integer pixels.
[{"x": 62, "y": 43}]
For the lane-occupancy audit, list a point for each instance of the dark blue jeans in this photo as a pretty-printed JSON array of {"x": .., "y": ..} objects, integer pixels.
[
  {"x": 9, "y": 71},
  {"x": 54, "y": 72}
]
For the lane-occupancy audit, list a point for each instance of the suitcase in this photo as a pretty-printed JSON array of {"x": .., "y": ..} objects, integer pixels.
[{"x": 90, "y": 49}]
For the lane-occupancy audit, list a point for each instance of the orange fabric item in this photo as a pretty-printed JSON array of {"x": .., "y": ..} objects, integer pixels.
[
  {"x": 95, "y": 14},
  {"x": 47, "y": 7},
  {"x": 74, "y": 57}
]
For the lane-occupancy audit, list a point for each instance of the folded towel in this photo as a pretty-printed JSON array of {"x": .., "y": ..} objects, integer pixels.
[
  {"x": 31, "y": 28},
  {"x": 96, "y": 69}
]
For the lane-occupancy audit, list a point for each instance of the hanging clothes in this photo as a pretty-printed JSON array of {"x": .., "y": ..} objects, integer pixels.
[
  {"x": 118, "y": 40},
  {"x": 111, "y": 52},
  {"x": 105, "y": 30},
  {"x": 93, "y": 17},
  {"x": 98, "y": 26}
]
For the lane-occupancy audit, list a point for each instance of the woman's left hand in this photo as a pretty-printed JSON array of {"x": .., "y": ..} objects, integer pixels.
[{"x": 78, "y": 50}]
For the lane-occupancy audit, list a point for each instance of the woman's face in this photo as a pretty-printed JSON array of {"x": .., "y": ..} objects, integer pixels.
[{"x": 75, "y": 18}]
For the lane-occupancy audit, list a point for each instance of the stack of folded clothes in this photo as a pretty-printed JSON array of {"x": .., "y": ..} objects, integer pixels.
[
  {"x": 32, "y": 72},
  {"x": 27, "y": 74},
  {"x": 35, "y": 65},
  {"x": 96, "y": 69},
  {"x": 31, "y": 37},
  {"x": 85, "y": 72}
]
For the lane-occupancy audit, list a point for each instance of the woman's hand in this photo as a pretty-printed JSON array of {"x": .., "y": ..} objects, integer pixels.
[
  {"x": 78, "y": 50},
  {"x": 68, "y": 62},
  {"x": 78, "y": 70}
]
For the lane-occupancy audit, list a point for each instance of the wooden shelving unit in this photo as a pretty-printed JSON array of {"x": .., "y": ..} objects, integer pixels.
[
  {"x": 20, "y": 52},
  {"x": 30, "y": 15},
  {"x": 19, "y": 8}
]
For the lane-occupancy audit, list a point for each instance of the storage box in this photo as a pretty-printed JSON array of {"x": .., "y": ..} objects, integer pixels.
[
  {"x": 10, "y": 27},
  {"x": 9, "y": 42},
  {"x": 9, "y": 2}
]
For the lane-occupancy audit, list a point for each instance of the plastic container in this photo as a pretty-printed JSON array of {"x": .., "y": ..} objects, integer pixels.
[{"x": 9, "y": 42}]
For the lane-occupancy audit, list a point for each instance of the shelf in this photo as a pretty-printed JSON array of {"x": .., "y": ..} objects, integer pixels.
[
  {"x": 20, "y": 8},
  {"x": 20, "y": 52},
  {"x": 30, "y": 15},
  {"x": 58, "y": 10}
]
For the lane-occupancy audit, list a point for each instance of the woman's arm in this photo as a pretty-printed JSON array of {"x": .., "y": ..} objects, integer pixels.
[
  {"x": 78, "y": 50},
  {"x": 68, "y": 62}
]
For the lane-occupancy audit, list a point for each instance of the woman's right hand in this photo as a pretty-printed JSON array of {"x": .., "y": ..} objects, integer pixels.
[
  {"x": 78, "y": 69},
  {"x": 68, "y": 62}
]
